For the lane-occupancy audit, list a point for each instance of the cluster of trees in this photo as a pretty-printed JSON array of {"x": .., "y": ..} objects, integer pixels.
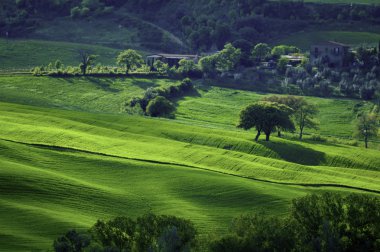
[
  {"x": 327, "y": 222},
  {"x": 156, "y": 102},
  {"x": 278, "y": 113},
  {"x": 127, "y": 61},
  {"x": 146, "y": 233},
  {"x": 316, "y": 222},
  {"x": 359, "y": 80},
  {"x": 285, "y": 113},
  {"x": 90, "y": 7}
]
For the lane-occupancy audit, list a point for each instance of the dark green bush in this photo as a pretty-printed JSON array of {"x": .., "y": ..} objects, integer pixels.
[
  {"x": 160, "y": 107},
  {"x": 326, "y": 222},
  {"x": 147, "y": 233}
]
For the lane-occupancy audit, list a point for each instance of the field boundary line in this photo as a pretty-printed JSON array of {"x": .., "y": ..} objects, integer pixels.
[{"x": 74, "y": 150}]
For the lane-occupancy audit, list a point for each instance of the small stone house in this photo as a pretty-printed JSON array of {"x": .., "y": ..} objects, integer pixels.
[{"x": 330, "y": 52}]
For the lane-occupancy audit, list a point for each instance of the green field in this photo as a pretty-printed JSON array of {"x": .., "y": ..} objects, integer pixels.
[
  {"x": 337, "y": 116},
  {"x": 25, "y": 54},
  {"x": 303, "y": 40},
  {"x": 68, "y": 157}
]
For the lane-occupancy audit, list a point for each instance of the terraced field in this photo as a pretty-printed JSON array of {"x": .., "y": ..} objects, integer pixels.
[{"x": 69, "y": 157}]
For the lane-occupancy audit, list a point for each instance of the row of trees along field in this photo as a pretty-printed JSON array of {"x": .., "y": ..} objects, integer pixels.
[
  {"x": 360, "y": 79},
  {"x": 317, "y": 222}
]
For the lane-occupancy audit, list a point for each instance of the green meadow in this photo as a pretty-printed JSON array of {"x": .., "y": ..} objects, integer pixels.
[
  {"x": 69, "y": 155},
  {"x": 25, "y": 54}
]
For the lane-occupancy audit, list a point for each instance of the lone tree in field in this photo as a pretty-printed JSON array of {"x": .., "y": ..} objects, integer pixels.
[
  {"x": 302, "y": 112},
  {"x": 367, "y": 127},
  {"x": 265, "y": 117},
  {"x": 304, "y": 116},
  {"x": 87, "y": 60},
  {"x": 129, "y": 59}
]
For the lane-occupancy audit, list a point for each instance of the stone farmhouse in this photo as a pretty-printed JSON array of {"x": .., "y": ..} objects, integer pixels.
[{"x": 330, "y": 52}]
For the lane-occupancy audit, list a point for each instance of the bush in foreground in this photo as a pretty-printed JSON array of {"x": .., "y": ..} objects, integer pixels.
[
  {"x": 146, "y": 233},
  {"x": 327, "y": 222}
]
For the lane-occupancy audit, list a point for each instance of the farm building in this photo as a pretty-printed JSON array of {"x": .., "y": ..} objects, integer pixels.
[
  {"x": 330, "y": 52},
  {"x": 170, "y": 59}
]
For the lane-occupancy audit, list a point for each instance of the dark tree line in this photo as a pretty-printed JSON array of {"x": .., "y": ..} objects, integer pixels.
[
  {"x": 316, "y": 223},
  {"x": 326, "y": 222}
]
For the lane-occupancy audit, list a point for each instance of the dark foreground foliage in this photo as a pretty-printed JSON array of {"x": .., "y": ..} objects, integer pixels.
[
  {"x": 147, "y": 233},
  {"x": 326, "y": 222}
]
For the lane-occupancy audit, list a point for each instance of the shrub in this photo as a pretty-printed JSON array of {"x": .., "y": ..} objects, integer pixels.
[
  {"x": 317, "y": 222},
  {"x": 186, "y": 85},
  {"x": 147, "y": 233},
  {"x": 160, "y": 107}
]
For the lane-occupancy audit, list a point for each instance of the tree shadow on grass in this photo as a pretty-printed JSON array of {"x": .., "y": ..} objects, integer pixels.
[
  {"x": 104, "y": 84},
  {"x": 296, "y": 153}
]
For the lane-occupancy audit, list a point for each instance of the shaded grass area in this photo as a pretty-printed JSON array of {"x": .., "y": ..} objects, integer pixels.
[{"x": 304, "y": 40}]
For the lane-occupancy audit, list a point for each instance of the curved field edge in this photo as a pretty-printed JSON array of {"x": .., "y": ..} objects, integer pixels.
[
  {"x": 46, "y": 192},
  {"x": 168, "y": 142}
]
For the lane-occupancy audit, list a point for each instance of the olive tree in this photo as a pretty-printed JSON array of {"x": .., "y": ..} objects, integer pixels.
[
  {"x": 302, "y": 113},
  {"x": 129, "y": 59},
  {"x": 87, "y": 60},
  {"x": 367, "y": 127}
]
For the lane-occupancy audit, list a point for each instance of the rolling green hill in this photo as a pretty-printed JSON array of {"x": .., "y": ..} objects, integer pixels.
[
  {"x": 68, "y": 157},
  {"x": 64, "y": 169},
  {"x": 337, "y": 116}
]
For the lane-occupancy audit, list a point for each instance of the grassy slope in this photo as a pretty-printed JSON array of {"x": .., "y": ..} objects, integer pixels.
[
  {"x": 221, "y": 106},
  {"x": 337, "y": 117},
  {"x": 304, "y": 39},
  {"x": 25, "y": 54},
  {"x": 121, "y": 168},
  {"x": 89, "y": 94},
  {"x": 49, "y": 192},
  {"x": 130, "y": 165}
]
